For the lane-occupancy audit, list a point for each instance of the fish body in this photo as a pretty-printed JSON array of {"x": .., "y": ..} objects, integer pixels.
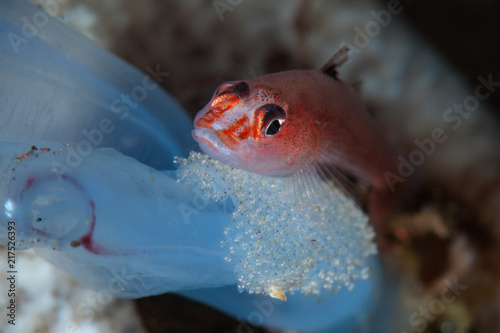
[{"x": 298, "y": 122}]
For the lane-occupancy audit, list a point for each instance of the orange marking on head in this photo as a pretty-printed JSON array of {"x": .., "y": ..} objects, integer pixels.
[
  {"x": 219, "y": 106},
  {"x": 208, "y": 118},
  {"x": 245, "y": 133},
  {"x": 228, "y": 135},
  {"x": 259, "y": 122},
  {"x": 226, "y": 100}
]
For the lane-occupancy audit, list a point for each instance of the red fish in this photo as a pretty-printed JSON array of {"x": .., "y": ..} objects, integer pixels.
[{"x": 304, "y": 124}]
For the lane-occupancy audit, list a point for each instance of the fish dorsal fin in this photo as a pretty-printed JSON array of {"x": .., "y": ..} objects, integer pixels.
[{"x": 330, "y": 68}]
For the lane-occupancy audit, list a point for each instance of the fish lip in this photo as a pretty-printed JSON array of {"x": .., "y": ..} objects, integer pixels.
[
  {"x": 211, "y": 145},
  {"x": 207, "y": 137}
]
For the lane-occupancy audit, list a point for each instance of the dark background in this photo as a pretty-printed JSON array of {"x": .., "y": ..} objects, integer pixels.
[{"x": 465, "y": 33}]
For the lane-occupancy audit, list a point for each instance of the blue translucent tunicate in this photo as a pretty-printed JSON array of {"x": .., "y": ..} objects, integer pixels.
[
  {"x": 83, "y": 140},
  {"x": 124, "y": 228},
  {"x": 57, "y": 85}
]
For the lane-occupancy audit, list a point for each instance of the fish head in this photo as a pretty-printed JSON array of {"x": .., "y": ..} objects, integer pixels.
[{"x": 250, "y": 126}]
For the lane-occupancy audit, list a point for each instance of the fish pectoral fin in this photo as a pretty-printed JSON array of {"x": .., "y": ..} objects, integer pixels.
[
  {"x": 305, "y": 186},
  {"x": 345, "y": 184},
  {"x": 321, "y": 184},
  {"x": 330, "y": 68}
]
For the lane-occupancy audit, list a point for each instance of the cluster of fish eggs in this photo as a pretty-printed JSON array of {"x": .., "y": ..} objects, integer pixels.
[{"x": 277, "y": 243}]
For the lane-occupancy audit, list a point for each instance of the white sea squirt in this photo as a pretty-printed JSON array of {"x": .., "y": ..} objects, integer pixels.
[
  {"x": 113, "y": 208},
  {"x": 113, "y": 223},
  {"x": 277, "y": 247},
  {"x": 126, "y": 229}
]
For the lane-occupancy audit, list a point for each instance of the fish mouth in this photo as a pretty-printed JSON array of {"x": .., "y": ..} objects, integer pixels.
[
  {"x": 211, "y": 145},
  {"x": 207, "y": 138}
]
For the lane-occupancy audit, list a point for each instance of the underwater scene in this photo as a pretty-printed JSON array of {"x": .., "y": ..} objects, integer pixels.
[{"x": 249, "y": 166}]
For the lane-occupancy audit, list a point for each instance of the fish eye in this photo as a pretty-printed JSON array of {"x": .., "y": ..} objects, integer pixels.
[
  {"x": 274, "y": 127},
  {"x": 274, "y": 117}
]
